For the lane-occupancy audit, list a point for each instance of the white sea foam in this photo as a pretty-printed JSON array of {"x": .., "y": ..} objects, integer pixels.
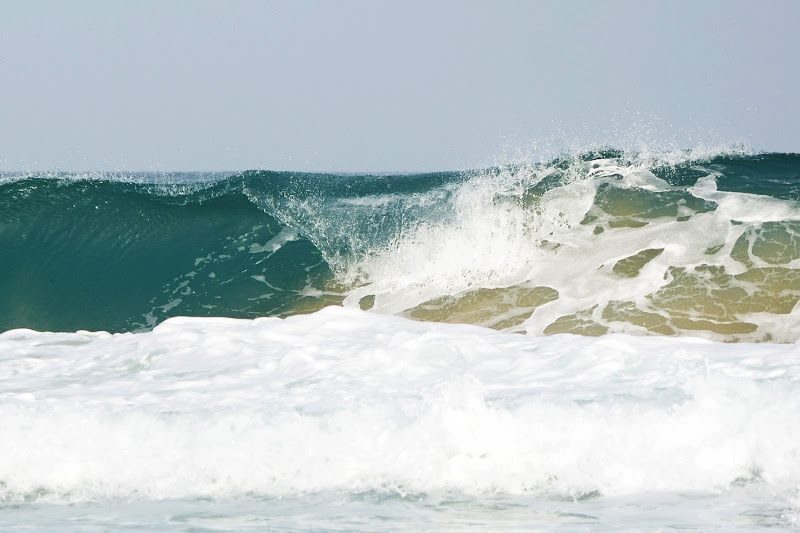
[
  {"x": 497, "y": 237},
  {"x": 343, "y": 400},
  {"x": 275, "y": 243}
]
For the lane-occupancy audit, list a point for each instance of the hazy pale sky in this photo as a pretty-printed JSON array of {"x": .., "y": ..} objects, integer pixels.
[{"x": 384, "y": 85}]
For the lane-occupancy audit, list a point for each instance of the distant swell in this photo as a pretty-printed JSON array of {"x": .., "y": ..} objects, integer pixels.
[{"x": 592, "y": 243}]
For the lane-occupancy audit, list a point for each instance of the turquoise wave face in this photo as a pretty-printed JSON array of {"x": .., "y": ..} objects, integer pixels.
[
  {"x": 96, "y": 254},
  {"x": 598, "y": 242}
]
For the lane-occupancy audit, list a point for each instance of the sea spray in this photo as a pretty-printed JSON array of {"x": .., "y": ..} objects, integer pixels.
[
  {"x": 599, "y": 242},
  {"x": 314, "y": 382}
]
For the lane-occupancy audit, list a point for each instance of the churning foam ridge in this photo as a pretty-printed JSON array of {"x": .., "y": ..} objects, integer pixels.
[{"x": 352, "y": 401}]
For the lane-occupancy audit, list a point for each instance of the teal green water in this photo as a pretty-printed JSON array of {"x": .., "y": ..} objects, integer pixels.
[
  {"x": 118, "y": 253},
  {"x": 124, "y": 252}
]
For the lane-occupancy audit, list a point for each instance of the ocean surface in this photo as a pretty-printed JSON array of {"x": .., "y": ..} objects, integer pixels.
[{"x": 603, "y": 341}]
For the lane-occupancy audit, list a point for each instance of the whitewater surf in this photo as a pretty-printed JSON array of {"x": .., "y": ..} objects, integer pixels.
[{"x": 601, "y": 341}]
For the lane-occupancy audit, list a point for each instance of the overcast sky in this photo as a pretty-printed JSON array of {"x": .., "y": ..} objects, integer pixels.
[{"x": 387, "y": 86}]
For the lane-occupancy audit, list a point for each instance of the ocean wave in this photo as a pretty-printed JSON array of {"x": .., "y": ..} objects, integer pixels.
[{"x": 668, "y": 243}]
